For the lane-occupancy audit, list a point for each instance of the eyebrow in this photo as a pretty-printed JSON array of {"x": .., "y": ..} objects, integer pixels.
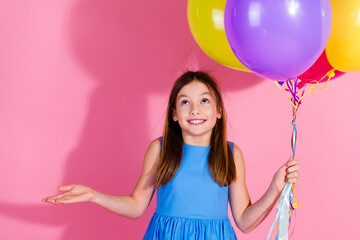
[{"x": 204, "y": 93}]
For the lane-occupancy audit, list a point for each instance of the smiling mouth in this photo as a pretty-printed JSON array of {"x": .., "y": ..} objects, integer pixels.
[{"x": 196, "y": 121}]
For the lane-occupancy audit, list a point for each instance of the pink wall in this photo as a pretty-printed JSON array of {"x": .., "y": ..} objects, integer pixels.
[{"x": 84, "y": 88}]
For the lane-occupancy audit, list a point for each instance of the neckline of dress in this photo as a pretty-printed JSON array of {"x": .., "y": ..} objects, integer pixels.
[{"x": 185, "y": 144}]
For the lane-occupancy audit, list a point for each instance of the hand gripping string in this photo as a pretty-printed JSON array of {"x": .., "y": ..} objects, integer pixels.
[{"x": 285, "y": 212}]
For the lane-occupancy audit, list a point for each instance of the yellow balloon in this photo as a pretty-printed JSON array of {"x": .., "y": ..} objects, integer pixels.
[
  {"x": 206, "y": 21},
  {"x": 343, "y": 48}
]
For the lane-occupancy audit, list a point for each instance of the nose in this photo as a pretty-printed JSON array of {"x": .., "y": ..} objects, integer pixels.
[{"x": 195, "y": 110}]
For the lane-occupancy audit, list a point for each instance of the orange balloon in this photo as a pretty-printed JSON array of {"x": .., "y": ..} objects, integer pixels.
[{"x": 343, "y": 48}]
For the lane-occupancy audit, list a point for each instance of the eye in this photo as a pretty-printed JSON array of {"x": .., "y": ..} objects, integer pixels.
[
  {"x": 184, "y": 102},
  {"x": 205, "y": 100}
]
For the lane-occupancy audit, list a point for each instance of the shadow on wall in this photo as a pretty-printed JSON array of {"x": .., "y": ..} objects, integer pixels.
[{"x": 131, "y": 52}]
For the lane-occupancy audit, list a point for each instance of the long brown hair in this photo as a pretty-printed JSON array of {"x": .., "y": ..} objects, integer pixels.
[{"x": 220, "y": 159}]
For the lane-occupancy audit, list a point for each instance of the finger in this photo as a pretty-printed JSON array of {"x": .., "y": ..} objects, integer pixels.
[
  {"x": 287, "y": 162},
  {"x": 292, "y": 175},
  {"x": 66, "y": 187},
  {"x": 294, "y": 168},
  {"x": 49, "y": 200},
  {"x": 59, "y": 195},
  {"x": 70, "y": 199},
  {"x": 53, "y": 198},
  {"x": 45, "y": 199},
  {"x": 292, "y": 162},
  {"x": 294, "y": 181},
  {"x": 62, "y": 200},
  {"x": 63, "y": 195}
]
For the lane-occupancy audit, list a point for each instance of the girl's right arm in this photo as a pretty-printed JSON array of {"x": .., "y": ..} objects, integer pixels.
[{"x": 132, "y": 206}]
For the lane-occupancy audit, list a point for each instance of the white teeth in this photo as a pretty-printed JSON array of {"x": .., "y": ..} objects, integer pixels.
[{"x": 196, "y": 121}]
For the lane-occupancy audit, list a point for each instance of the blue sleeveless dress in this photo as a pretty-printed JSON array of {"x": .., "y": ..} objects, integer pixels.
[{"x": 192, "y": 205}]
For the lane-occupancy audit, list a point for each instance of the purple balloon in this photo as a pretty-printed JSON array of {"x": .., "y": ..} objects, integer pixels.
[{"x": 278, "y": 39}]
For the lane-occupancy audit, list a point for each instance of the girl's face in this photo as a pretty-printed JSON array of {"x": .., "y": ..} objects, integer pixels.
[{"x": 196, "y": 112}]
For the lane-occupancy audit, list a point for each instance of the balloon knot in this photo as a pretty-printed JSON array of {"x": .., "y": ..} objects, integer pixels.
[{"x": 331, "y": 73}]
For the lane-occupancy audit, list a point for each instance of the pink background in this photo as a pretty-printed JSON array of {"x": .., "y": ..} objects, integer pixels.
[{"x": 84, "y": 85}]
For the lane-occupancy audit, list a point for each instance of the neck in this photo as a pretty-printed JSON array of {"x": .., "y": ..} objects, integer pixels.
[{"x": 197, "y": 140}]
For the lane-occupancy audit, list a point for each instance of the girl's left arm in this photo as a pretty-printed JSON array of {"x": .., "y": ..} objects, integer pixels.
[{"x": 248, "y": 216}]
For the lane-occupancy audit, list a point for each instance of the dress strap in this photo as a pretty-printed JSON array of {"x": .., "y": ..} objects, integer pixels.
[
  {"x": 160, "y": 138},
  {"x": 231, "y": 145}
]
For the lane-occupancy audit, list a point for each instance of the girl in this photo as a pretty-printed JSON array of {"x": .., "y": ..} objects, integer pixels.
[{"x": 195, "y": 171}]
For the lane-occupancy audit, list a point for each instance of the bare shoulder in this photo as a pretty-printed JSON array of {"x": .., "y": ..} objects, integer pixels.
[
  {"x": 153, "y": 151},
  {"x": 148, "y": 174},
  {"x": 238, "y": 157},
  {"x": 155, "y": 145}
]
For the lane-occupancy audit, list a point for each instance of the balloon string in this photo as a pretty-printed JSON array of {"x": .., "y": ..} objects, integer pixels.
[
  {"x": 284, "y": 226},
  {"x": 279, "y": 207},
  {"x": 273, "y": 235},
  {"x": 330, "y": 74},
  {"x": 294, "y": 206},
  {"x": 278, "y": 85},
  {"x": 295, "y": 101},
  {"x": 294, "y": 136}
]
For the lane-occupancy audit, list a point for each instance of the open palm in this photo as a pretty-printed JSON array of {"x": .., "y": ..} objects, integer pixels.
[{"x": 72, "y": 194}]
